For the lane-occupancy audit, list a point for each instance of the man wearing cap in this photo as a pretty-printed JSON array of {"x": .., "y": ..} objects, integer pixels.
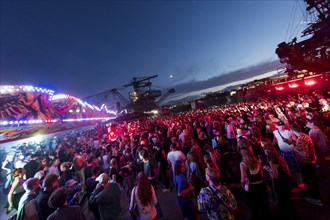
[
  {"x": 283, "y": 138},
  {"x": 27, "y": 207},
  {"x": 107, "y": 196}
]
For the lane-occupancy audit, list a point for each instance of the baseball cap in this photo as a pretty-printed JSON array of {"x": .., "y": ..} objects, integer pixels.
[
  {"x": 279, "y": 123},
  {"x": 70, "y": 183},
  {"x": 102, "y": 177}
]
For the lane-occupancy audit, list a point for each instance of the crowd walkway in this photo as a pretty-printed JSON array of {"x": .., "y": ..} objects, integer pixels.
[{"x": 171, "y": 209}]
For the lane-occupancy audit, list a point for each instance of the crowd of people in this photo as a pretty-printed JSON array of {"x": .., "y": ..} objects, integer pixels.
[{"x": 276, "y": 145}]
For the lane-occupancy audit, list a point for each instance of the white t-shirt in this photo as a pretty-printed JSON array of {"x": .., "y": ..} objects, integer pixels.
[
  {"x": 174, "y": 156},
  {"x": 281, "y": 144}
]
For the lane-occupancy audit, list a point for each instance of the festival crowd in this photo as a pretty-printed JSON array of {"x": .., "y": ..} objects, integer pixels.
[{"x": 275, "y": 144}]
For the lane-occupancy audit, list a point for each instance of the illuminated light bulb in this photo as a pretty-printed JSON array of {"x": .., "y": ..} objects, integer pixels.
[
  {"x": 279, "y": 88},
  {"x": 309, "y": 82},
  {"x": 293, "y": 85},
  {"x": 5, "y": 123},
  {"x": 11, "y": 122}
]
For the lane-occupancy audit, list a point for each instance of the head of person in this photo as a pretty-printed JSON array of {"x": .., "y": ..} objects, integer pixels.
[
  {"x": 64, "y": 166},
  {"x": 31, "y": 184},
  {"x": 10, "y": 157},
  {"x": 208, "y": 161},
  {"x": 280, "y": 125},
  {"x": 173, "y": 146},
  {"x": 103, "y": 178},
  {"x": 212, "y": 175},
  {"x": 18, "y": 172},
  {"x": 78, "y": 162},
  {"x": 71, "y": 184},
  {"x": 44, "y": 161},
  {"x": 243, "y": 143},
  {"x": 310, "y": 123},
  {"x": 265, "y": 142},
  {"x": 191, "y": 157},
  {"x": 295, "y": 128},
  {"x": 248, "y": 158},
  {"x": 56, "y": 162},
  {"x": 155, "y": 139},
  {"x": 40, "y": 175},
  {"x": 144, "y": 155},
  {"x": 194, "y": 142},
  {"x": 113, "y": 162},
  {"x": 208, "y": 148},
  {"x": 20, "y": 156},
  {"x": 127, "y": 152},
  {"x": 179, "y": 167},
  {"x": 58, "y": 198},
  {"x": 173, "y": 140},
  {"x": 272, "y": 155},
  {"x": 51, "y": 181},
  {"x": 144, "y": 188},
  {"x": 97, "y": 170}
]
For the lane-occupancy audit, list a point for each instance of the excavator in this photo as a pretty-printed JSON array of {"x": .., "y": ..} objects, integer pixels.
[{"x": 142, "y": 99}]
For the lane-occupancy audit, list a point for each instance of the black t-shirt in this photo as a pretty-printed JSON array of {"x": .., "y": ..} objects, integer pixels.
[
  {"x": 119, "y": 177},
  {"x": 42, "y": 205},
  {"x": 161, "y": 158},
  {"x": 31, "y": 168},
  {"x": 88, "y": 171},
  {"x": 66, "y": 175},
  {"x": 62, "y": 156},
  {"x": 90, "y": 185}
]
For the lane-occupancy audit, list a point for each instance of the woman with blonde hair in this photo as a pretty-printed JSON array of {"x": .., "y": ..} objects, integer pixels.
[
  {"x": 16, "y": 191},
  {"x": 252, "y": 180},
  {"x": 143, "y": 199}
]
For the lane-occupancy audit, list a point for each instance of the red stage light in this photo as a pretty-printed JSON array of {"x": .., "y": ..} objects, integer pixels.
[
  {"x": 293, "y": 85},
  {"x": 279, "y": 88},
  {"x": 309, "y": 82}
]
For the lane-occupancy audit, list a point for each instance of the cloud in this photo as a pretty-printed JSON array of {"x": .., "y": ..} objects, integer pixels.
[{"x": 192, "y": 88}]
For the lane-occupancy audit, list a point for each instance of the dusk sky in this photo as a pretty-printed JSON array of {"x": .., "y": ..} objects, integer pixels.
[{"x": 86, "y": 47}]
